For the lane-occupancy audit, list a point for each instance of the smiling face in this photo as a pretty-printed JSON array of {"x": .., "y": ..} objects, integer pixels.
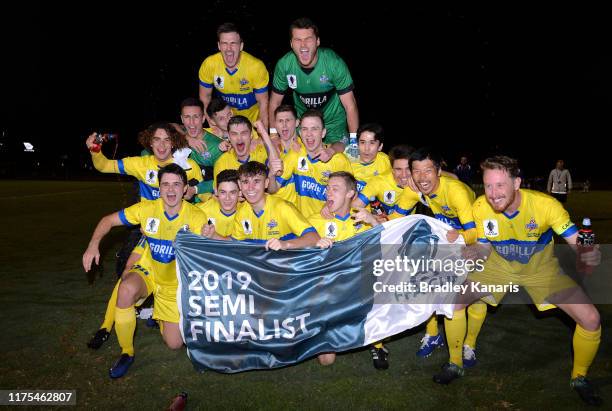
[
  {"x": 230, "y": 45},
  {"x": 240, "y": 138},
  {"x": 338, "y": 196},
  {"x": 401, "y": 172},
  {"x": 253, "y": 189},
  {"x": 426, "y": 176},
  {"x": 161, "y": 144},
  {"x": 304, "y": 44},
  {"x": 501, "y": 190},
  {"x": 171, "y": 191},
  {"x": 228, "y": 193},
  {"x": 193, "y": 119},
  {"x": 369, "y": 147}
]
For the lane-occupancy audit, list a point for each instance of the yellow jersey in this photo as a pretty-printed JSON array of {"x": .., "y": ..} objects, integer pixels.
[
  {"x": 239, "y": 86},
  {"x": 522, "y": 237},
  {"x": 363, "y": 172},
  {"x": 278, "y": 219},
  {"x": 144, "y": 168},
  {"x": 229, "y": 161},
  {"x": 309, "y": 178},
  {"x": 384, "y": 189},
  {"x": 224, "y": 223},
  {"x": 338, "y": 228},
  {"x": 159, "y": 230}
]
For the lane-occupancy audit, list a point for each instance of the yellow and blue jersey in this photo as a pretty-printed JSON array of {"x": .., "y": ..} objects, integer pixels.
[
  {"x": 159, "y": 230},
  {"x": 229, "y": 161},
  {"x": 224, "y": 223},
  {"x": 278, "y": 219},
  {"x": 145, "y": 170},
  {"x": 384, "y": 189},
  {"x": 239, "y": 86},
  {"x": 363, "y": 172},
  {"x": 338, "y": 228},
  {"x": 309, "y": 178},
  {"x": 522, "y": 237},
  {"x": 452, "y": 204}
]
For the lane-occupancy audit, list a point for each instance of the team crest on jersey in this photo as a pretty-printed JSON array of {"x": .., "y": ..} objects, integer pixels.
[
  {"x": 243, "y": 82},
  {"x": 491, "y": 228},
  {"x": 302, "y": 164},
  {"x": 211, "y": 221},
  {"x": 152, "y": 225},
  {"x": 247, "y": 227},
  {"x": 389, "y": 196},
  {"x": 323, "y": 79},
  {"x": 446, "y": 208},
  {"x": 185, "y": 227},
  {"x": 271, "y": 224},
  {"x": 325, "y": 174},
  {"x": 331, "y": 229},
  {"x": 219, "y": 81},
  {"x": 292, "y": 81},
  {"x": 375, "y": 173},
  {"x": 532, "y": 225},
  {"x": 151, "y": 177}
]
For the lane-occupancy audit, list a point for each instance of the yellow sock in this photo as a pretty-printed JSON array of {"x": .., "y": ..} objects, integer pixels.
[
  {"x": 432, "y": 326},
  {"x": 109, "y": 316},
  {"x": 125, "y": 325},
  {"x": 378, "y": 345},
  {"x": 476, "y": 314},
  {"x": 455, "y": 334},
  {"x": 585, "y": 344}
]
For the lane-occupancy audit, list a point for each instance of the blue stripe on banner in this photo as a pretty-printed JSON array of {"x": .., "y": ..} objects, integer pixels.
[
  {"x": 206, "y": 85},
  {"x": 522, "y": 250},
  {"x": 239, "y": 101},
  {"x": 255, "y": 241},
  {"x": 309, "y": 187},
  {"x": 469, "y": 225},
  {"x": 451, "y": 221},
  {"x": 124, "y": 219},
  {"x": 121, "y": 167},
  {"x": 161, "y": 250},
  {"x": 147, "y": 192},
  {"x": 570, "y": 231}
]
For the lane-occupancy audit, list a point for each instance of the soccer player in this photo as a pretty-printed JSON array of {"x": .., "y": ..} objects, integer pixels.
[
  {"x": 515, "y": 231},
  {"x": 305, "y": 170},
  {"x": 221, "y": 209},
  {"x": 155, "y": 271},
  {"x": 162, "y": 140},
  {"x": 450, "y": 200},
  {"x": 266, "y": 219},
  {"x": 372, "y": 161},
  {"x": 239, "y": 78},
  {"x": 387, "y": 188},
  {"x": 319, "y": 79},
  {"x": 210, "y": 146},
  {"x": 340, "y": 193},
  {"x": 286, "y": 123},
  {"x": 243, "y": 149}
]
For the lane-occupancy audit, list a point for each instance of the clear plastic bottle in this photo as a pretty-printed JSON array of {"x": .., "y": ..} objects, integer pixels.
[{"x": 352, "y": 149}]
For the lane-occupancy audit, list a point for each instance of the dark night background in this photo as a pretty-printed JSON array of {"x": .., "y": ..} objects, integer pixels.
[{"x": 532, "y": 81}]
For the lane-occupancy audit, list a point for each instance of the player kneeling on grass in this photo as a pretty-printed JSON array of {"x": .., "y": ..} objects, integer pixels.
[
  {"x": 155, "y": 271},
  {"x": 515, "y": 235},
  {"x": 340, "y": 193}
]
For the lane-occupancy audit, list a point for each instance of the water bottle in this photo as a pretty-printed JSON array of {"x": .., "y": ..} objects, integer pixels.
[
  {"x": 101, "y": 139},
  {"x": 352, "y": 150},
  {"x": 178, "y": 403},
  {"x": 585, "y": 243}
]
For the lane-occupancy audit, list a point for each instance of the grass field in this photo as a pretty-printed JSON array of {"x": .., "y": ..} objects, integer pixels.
[{"x": 50, "y": 308}]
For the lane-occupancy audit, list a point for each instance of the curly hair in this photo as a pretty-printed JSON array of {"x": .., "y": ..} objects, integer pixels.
[{"x": 177, "y": 139}]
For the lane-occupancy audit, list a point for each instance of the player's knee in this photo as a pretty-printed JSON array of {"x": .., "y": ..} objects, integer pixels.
[
  {"x": 127, "y": 293},
  {"x": 590, "y": 319},
  {"x": 327, "y": 358}
]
